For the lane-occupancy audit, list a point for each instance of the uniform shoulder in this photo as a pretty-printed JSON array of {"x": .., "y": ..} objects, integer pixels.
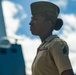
[
  {"x": 57, "y": 45},
  {"x": 60, "y": 41},
  {"x": 57, "y": 42}
]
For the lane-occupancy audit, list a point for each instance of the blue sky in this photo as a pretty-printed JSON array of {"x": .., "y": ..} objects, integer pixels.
[
  {"x": 17, "y": 16},
  {"x": 66, "y": 6}
]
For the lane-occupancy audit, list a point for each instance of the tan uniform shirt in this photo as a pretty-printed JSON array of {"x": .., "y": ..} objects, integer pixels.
[{"x": 52, "y": 57}]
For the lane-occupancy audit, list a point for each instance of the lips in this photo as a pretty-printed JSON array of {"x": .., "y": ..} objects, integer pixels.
[{"x": 30, "y": 28}]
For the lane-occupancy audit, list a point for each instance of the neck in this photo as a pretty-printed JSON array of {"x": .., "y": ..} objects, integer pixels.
[{"x": 43, "y": 37}]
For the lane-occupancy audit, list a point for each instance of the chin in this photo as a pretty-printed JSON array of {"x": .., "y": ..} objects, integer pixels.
[{"x": 34, "y": 34}]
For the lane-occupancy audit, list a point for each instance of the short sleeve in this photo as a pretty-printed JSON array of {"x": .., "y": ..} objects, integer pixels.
[{"x": 59, "y": 52}]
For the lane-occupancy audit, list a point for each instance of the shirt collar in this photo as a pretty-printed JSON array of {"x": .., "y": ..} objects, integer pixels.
[{"x": 50, "y": 38}]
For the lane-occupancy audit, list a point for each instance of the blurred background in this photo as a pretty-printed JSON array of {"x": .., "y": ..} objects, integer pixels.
[{"x": 17, "y": 16}]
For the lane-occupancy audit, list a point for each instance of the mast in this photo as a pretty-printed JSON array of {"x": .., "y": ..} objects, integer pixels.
[{"x": 2, "y": 24}]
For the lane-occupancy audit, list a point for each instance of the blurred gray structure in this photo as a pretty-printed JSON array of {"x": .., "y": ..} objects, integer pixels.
[{"x": 11, "y": 56}]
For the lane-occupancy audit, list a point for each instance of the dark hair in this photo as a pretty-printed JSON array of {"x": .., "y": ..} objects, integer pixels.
[{"x": 58, "y": 24}]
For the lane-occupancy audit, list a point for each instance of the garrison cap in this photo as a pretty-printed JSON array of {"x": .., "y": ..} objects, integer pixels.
[{"x": 43, "y": 6}]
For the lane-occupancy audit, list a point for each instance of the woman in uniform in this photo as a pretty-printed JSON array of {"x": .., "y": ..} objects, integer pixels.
[{"x": 52, "y": 55}]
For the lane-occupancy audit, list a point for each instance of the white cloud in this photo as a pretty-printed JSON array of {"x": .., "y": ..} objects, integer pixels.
[
  {"x": 69, "y": 19},
  {"x": 10, "y": 10},
  {"x": 73, "y": 61},
  {"x": 69, "y": 24},
  {"x": 21, "y": 14},
  {"x": 62, "y": 3},
  {"x": 29, "y": 48},
  {"x": 69, "y": 34}
]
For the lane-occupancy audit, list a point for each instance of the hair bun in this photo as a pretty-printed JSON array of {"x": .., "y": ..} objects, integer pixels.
[{"x": 58, "y": 24}]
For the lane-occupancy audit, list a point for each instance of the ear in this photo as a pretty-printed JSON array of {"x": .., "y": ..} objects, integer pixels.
[{"x": 49, "y": 24}]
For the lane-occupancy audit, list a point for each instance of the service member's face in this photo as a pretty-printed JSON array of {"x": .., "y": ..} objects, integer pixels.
[{"x": 38, "y": 25}]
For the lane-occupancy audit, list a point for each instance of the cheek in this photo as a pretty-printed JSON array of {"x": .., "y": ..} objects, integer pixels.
[{"x": 38, "y": 25}]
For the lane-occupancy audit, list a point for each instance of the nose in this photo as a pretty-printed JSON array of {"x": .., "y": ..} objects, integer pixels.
[{"x": 30, "y": 23}]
